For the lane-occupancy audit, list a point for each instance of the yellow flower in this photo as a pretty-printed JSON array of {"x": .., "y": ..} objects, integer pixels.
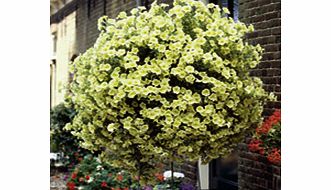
[
  {"x": 189, "y": 69},
  {"x": 200, "y": 109},
  {"x": 205, "y": 92},
  {"x": 111, "y": 127},
  {"x": 225, "y": 10},
  {"x": 176, "y": 89},
  {"x": 122, "y": 15},
  {"x": 190, "y": 78}
]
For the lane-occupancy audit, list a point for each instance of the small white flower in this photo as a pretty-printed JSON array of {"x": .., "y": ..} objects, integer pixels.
[
  {"x": 167, "y": 174},
  {"x": 54, "y": 156},
  {"x": 90, "y": 180},
  {"x": 58, "y": 164},
  {"x": 98, "y": 174},
  {"x": 99, "y": 167}
]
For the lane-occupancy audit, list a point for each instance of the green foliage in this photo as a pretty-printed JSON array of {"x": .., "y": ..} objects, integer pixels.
[
  {"x": 91, "y": 174},
  {"x": 60, "y": 116},
  {"x": 164, "y": 84},
  {"x": 62, "y": 140}
]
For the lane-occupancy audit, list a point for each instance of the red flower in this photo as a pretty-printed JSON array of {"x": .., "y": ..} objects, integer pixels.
[
  {"x": 264, "y": 129},
  {"x": 119, "y": 177},
  {"x": 126, "y": 188},
  {"x": 74, "y": 176},
  {"x": 269, "y": 122},
  {"x": 71, "y": 185},
  {"x": 263, "y": 137},
  {"x": 81, "y": 179},
  {"x": 159, "y": 177},
  {"x": 277, "y": 114},
  {"x": 87, "y": 177},
  {"x": 261, "y": 151},
  {"x": 274, "y": 156},
  {"x": 254, "y": 145},
  {"x": 275, "y": 118},
  {"x": 80, "y": 159},
  {"x": 104, "y": 184}
]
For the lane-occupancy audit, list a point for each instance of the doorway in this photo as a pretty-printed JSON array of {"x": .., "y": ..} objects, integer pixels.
[{"x": 223, "y": 173}]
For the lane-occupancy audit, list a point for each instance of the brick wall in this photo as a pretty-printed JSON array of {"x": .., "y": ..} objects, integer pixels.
[
  {"x": 254, "y": 171},
  {"x": 189, "y": 169},
  {"x": 265, "y": 16},
  {"x": 190, "y": 172},
  {"x": 88, "y": 13}
]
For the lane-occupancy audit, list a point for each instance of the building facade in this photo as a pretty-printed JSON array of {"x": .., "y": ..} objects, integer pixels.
[
  {"x": 73, "y": 29},
  {"x": 254, "y": 172}
]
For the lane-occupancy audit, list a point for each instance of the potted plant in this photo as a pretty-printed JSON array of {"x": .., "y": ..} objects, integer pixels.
[{"x": 166, "y": 85}]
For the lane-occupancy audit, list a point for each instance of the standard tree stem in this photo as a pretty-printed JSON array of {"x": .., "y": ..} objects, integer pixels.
[
  {"x": 172, "y": 175},
  {"x": 139, "y": 173},
  {"x": 138, "y": 182}
]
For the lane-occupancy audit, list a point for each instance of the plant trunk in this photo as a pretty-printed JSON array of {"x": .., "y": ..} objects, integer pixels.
[
  {"x": 172, "y": 175},
  {"x": 139, "y": 173}
]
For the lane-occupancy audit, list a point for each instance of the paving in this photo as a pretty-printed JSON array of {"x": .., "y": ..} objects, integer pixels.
[{"x": 57, "y": 181}]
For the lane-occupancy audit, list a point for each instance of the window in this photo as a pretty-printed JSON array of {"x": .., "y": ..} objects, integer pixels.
[
  {"x": 232, "y": 5},
  {"x": 52, "y": 82},
  {"x": 65, "y": 27},
  {"x": 71, "y": 75},
  {"x": 146, "y": 4},
  {"x": 54, "y": 41},
  {"x": 104, "y": 7},
  {"x": 88, "y": 8}
]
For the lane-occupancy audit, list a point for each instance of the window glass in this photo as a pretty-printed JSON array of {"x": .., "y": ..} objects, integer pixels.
[{"x": 232, "y": 5}]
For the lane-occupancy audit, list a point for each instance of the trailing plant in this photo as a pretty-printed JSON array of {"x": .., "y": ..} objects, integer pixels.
[
  {"x": 267, "y": 138},
  {"x": 166, "y": 84}
]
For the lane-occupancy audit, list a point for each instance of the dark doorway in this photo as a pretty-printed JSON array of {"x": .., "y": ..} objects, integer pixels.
[{"x": 223, "y": 173}]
